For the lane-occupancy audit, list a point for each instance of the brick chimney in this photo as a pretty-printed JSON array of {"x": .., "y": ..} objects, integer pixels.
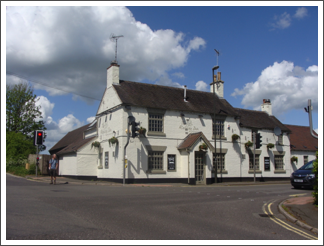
[
  {"x": 266, "y": 106},
  {"x": 112, "y": 74}
]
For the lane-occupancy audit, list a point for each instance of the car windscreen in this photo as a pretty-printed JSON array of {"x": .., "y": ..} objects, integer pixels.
[{"x": 307, "y": 166}]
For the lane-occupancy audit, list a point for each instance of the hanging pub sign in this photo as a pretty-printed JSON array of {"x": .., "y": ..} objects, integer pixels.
[{"x": 171, "y": 163}]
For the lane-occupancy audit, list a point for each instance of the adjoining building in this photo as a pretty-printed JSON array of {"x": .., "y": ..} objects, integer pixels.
[
  {"x": 180, "y": 127},
  {"x": 302, "y": 145}
]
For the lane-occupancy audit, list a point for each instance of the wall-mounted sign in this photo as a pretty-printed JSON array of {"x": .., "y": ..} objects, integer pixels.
[
  {"x": 171, "y": 162},
  {"x": 106, "y": 160},
  {"x": 266, "y": 164}
]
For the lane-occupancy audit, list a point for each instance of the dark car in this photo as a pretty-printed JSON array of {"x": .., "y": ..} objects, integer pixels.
[{"x": 303, "y": 177}]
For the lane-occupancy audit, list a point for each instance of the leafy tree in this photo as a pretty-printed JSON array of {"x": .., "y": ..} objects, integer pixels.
[
  {"x": 315, "y": 187},
  {"x": 22, "y": 112},
  {"x": 18, "y": 146}
]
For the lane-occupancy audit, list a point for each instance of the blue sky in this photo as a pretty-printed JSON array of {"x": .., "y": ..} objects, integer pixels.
[{"x": 266, "y": 52}]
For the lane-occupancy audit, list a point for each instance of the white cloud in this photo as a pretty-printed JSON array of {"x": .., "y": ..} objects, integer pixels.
[
  {"x": 46, "y": 107},
  {"x": 282, "y": 22},
  {"x": 178, "y": 75},
  {"x": 68, "y": 123},
  {"x": 201, "y": 86},
  {"x": 70, "y": 47},
  {"x": 91, "y": 119},
  {"x": 287, "y": 86},
  {"x": 301, "y": 13},
  {"x": 56, "y": 131}
]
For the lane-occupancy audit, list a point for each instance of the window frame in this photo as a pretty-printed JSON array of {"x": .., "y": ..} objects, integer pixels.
[
  {"x": 281, "y": 163},
  {"x": 156, "y": 112},
  {"x": 218, "y": 163},
  {"x": 218, "y": 121},
  {"x": 257, "y": 162}
]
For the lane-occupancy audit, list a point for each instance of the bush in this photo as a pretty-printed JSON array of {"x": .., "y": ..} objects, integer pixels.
[
  {"x": 315, "y": 187},
  {"x": 18, "y": 167}
]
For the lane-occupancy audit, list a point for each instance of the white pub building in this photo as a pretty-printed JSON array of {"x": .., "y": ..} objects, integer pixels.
[{"x": 178, "y": 131}]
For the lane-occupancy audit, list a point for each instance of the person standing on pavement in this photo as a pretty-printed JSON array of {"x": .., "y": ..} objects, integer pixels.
[{"x": 53, "y": 164}]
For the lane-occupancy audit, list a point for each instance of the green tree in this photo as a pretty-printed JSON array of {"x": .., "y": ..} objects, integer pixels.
[
  {"x": 18, "y": 146},
  {"x": 22, "y": 112},
  {"x": 315, "y": 187}
]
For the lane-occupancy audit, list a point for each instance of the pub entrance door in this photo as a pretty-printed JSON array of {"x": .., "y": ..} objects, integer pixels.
[{"x": 200, "y": 172}]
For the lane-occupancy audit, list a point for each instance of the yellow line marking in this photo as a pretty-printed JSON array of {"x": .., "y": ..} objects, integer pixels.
[
  {"x": 302, "y": 194},
  {"x": 287, "y": 226}
]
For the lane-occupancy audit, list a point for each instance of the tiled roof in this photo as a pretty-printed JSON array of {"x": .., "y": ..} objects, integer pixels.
[
  {"x": 191, "y": 139},
  {"x": 301, "y": 138},
  {"x": 165, "y": 97},
  {"x": 71, "y": 137},
  {"x": 73, "y": 147},
  {"x": 259, "y": 120}
]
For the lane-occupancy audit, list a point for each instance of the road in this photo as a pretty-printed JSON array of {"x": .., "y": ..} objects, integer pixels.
[{"x": 39, "y": 211}]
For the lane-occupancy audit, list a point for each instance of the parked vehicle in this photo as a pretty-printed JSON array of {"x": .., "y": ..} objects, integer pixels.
[{"x": 303, "y": 177}]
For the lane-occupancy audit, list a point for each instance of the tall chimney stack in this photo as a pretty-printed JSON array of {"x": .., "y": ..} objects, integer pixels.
[{"x": 266, "y": 106}]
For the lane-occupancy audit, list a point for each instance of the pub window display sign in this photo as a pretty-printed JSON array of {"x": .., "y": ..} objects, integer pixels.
[{"x": 171, "y": 162}]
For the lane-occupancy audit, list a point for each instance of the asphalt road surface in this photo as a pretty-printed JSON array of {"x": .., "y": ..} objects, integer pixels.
[{"x": 39, "y": 211}]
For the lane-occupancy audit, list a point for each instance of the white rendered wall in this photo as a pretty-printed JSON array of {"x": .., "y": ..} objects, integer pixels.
[
  {"x": 109, "y": 100},
  {"x": 68, "y": 164},
  {"x": 267, "y": 137},
  {"x": 114, "y": 126},
  {"x": 87, "y": 161},
  {"x": 300, "y": 155}
]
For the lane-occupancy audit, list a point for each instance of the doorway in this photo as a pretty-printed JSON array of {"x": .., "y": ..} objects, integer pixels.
[{"x": 200, "y": 176}]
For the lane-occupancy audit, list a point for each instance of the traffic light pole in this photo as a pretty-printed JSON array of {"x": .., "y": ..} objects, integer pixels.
[
  {"x": 254, "y": 141},
  {"x": 125, "y": 159},
  {"x": 36, "y": 159}
]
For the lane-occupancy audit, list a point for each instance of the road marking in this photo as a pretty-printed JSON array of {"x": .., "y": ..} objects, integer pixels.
[
  {"x": 302, "y": 194},
  {"x": 284, "y": 224}
]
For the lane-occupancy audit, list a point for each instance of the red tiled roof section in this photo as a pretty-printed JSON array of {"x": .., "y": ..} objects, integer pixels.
[
  {"x": 189, "y": 140},
  {"x": 171, "y": 98},
  {"x": 301, "y": 137},
  {"x": 74, "y": 136}
]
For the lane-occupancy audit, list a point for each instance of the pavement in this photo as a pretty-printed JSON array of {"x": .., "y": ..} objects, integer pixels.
[{"x": 298, "y": 210}]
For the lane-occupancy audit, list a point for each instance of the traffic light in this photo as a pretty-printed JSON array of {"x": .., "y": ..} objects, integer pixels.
[
  {"x": 135, "y": 129},
  {"x": 258, "y": 141},
  {"x": 38, "y": 137}
]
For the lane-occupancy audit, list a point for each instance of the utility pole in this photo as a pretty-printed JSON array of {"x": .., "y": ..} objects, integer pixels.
[{"x": 309, "y": 111}]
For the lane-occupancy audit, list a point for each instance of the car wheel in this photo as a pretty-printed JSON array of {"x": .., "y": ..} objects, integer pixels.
[{"x": 295, "y": 187}]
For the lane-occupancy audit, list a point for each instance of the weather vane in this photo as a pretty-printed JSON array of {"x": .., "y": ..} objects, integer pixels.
[{"x": 115, "y": 38}]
